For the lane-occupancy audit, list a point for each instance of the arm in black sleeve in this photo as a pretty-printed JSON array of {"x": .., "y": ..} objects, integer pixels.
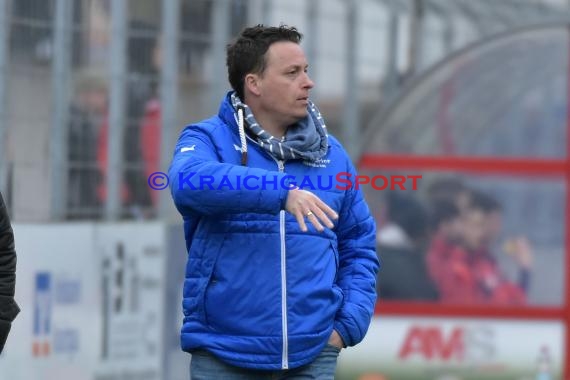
[{"x": 8, "y": 307}]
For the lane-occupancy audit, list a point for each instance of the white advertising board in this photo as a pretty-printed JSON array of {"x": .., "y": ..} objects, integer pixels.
[
  {"x": 102, "y": 302},
  {"x": 92, "y": 300},
  {"x": 443, "y": 348},
  {"x": 132, "y": 290},
  {"x": 56, "y": 335}
]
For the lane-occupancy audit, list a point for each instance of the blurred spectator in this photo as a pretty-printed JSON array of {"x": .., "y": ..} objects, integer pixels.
[
  {"x": 467, "y": 272},
  {"x": 518, "y": 247},
  {"x": 151, "y": 128},
  {"x": 102, "y": 159},
  {"x": 142, "y": 88},
  {"x": 493, "y": 215},
  {"x": 150, "y": 141},
  {"x": 448, "y": 230},
  {"x": 401, "y": 246},
  {"x": 87, "y": 111},
  {"x": 141, "y": 142}
]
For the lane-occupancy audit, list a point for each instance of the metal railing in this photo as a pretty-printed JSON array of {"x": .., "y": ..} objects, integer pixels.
[{"x": 94, "y": 92}]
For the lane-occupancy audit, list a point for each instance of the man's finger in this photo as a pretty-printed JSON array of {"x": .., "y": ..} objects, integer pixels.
[
  {"x": 315, "y": 221},
  {"x": 301, "y": 220},
  {"x": 323, "y": 218},
  {"x": 323, "y": 206}
]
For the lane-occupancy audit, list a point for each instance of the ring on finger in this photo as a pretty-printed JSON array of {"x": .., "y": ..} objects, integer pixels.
[{"x": 309, "y": 213}]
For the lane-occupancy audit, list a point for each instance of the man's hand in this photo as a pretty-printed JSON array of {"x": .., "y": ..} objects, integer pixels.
[
  {"x": 302, "y": 203},
  {"x": 521, "y": 250},
  {"x": 336, "y": 340},
  {"x": 523, "y": 254}
]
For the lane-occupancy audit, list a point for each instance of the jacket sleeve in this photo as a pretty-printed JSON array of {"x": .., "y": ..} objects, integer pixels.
[
  {"x": 201, "y": 184},
  {"x": 358, "y": 266},
  {"x": 8, "y": 307}
]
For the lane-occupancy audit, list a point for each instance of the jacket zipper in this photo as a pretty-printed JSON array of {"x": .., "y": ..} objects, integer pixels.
[{"x": 285, "y": 358}]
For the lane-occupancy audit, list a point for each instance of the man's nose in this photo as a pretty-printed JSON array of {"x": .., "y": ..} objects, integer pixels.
[{"x": 308, "y": 83}]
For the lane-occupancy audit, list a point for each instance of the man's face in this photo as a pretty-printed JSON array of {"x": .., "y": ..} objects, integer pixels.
[
  {"x": 474, "y": 229},
  {"x": 494, "y": 226},
  {"x": 94, "y": 100},
  {"x": 453, "y": 229},
  {"x": 284, "y": 85}
]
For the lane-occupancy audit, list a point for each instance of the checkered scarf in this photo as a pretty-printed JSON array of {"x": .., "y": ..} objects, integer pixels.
[{"x": 306, "y": 139}]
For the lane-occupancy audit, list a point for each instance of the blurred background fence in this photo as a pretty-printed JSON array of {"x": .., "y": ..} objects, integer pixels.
[{"x": 94, "y": 92}]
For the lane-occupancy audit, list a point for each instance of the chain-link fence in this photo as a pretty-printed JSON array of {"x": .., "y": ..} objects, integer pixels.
[{"x": 94, "y": 92}]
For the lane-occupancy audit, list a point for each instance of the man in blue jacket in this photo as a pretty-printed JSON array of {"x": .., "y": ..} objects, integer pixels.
[{"x": 281, "y": 257}]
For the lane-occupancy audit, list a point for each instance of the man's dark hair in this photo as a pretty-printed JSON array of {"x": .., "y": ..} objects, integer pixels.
[
  {"x": 247, "y": 53},
  {"x": 443, "y": 211},
  {"x": 483, "y": 202},
  {"x": 446, "y": 188}
]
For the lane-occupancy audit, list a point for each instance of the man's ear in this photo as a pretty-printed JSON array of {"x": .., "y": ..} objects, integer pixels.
[{"x": 252, "y": 84}]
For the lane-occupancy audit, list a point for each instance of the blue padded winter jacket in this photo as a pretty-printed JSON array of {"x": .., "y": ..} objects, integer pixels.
[{"x": 260, "y": 293}]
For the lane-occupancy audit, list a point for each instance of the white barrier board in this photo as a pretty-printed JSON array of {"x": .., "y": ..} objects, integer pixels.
[
  {"x": 92, "y": 298},
  {"x": 443, "y": 348}
]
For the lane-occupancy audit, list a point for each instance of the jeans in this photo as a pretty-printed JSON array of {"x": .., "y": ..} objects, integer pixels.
[{"x": 204, "y": 366}]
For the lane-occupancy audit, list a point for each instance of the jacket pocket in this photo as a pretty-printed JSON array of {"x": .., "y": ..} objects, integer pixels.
[
  {"x": 338, "y": 292},
  {"x": 212, "y": 282},
  {"x": 199, "y": 271},
  {"x": 336, "y": 259},
  {"x": 242, "y": 296}
]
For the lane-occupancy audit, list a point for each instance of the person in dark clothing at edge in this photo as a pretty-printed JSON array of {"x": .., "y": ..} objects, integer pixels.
[
  {"x": 274, "y": 288},
  {"x": 402, "y": 245},
  {"x": 8, "y": 307}
]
